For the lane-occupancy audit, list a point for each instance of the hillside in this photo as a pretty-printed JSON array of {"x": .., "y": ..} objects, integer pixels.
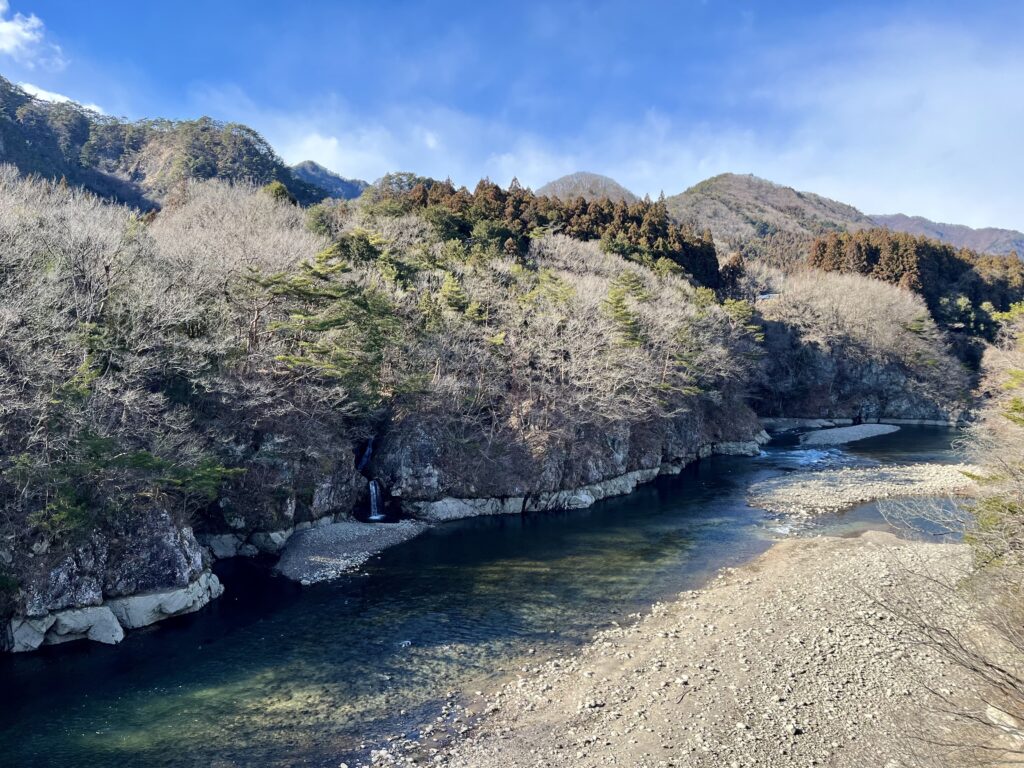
[
  {"x": 136, "y": 163},
  {"x": 761, "y": 219},
  {"x": 327, "y": 180},
  {"x": 774, "y": 223},
  {"x": 984, "y": 240},
  {"x": 589, "y": 186}
]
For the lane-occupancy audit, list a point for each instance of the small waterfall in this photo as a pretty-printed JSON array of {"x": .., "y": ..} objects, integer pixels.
[
  {"x": 366, "y": 456},
  {"x": 376, "y": 512}
]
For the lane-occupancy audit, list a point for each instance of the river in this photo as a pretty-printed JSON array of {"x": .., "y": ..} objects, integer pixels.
[{"x": 277, "y": 674}]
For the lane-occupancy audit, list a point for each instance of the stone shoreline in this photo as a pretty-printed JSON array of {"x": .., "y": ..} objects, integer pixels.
[
  {"x": 788, "y": 661},
  {"x": 318, "y": 550},
  {"x": 107, "y": 622},
  {"x": 806, "y": 494}
]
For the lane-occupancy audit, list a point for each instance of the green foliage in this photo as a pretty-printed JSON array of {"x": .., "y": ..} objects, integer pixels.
[
  {"x": 618, "y": 306},
  {"x": 279, "y": 192},
  {"x": 966, "y": 292},
  {"x": 547, "y": 286},
  {"x": 340, "y": 329},
  {"x": 100, "y": 479},
  {"x": 493, "y": 221},
  {"x": 742, "y": 313},
  {"x": 1014, "y": 313},
  {"x": 452, "y": 293}
]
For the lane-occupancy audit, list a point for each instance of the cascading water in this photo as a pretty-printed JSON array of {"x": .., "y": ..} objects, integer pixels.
[{"x": 376, "y": 511}]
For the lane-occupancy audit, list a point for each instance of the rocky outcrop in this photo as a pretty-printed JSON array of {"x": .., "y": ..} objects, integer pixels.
[
  {"x": 450, "y": 508},
  {"x": 106, "y": 623},
  {"x": 283, "y": 486},
  {"x": 87, "y": 591},
  {"x": 145, "y": 609},
  {"x": 417, "y": 466}
]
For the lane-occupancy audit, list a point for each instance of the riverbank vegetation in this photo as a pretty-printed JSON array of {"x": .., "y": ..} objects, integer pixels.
[
  {"x": 221, "y": 359},
  {"x": 964, "y": 290}
]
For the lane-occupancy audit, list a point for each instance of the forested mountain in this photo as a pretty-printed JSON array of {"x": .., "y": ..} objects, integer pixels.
[
  {"x": 761, "y": 219},
  {"x": 984, "y": 240},
  {"x": 965, "y": 291},
  {"x": 327, "y": 180},
  {"x": 136, "y": 163},
  {"x": 589, "y": 186}
]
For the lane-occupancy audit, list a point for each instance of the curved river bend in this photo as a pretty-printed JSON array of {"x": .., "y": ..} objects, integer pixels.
[{"x": 275, "y": 674}]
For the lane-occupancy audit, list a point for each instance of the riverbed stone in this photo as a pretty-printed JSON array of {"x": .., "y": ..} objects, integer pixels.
[
  {"x": 223, "y": 545},
  {"x": 271, "y": 542}
]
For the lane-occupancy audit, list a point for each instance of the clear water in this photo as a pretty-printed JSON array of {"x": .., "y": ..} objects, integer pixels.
[{"x": 274, "y": 674}]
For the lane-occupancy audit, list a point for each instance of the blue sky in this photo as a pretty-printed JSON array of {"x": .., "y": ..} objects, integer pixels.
[{"x": 913, "y": 107}]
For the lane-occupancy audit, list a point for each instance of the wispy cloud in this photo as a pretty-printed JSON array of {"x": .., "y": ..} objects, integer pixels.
[
  {"x": 907, "y": 118},
  {"x": 57, "y": 98},
  {"x": 23, "y": 38}
]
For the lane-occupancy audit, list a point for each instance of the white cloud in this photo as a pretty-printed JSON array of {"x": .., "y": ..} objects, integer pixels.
[
  {"x": 906, "y": 119},
  {"x": 23, "y": 38},
  {"x": 57, "y": 98}
]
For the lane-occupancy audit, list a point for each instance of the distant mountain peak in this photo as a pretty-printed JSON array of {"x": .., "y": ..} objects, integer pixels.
[
  {"x": 589, "y": 186},
  {"x": 334, "y": 184}
]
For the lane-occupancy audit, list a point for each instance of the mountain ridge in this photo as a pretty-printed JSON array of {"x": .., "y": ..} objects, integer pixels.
[{"x": 137, "y": 163}]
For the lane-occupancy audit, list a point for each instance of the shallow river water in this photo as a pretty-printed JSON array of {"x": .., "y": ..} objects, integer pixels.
[{"x": 275, "y": 674}]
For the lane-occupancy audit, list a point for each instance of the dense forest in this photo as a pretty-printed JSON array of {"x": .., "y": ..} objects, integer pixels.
[
  {"x": 964, "y": 290},
  {"x": 641, "y": 231}
]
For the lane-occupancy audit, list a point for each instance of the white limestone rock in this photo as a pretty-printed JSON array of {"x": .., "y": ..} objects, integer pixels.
[
  {"x": 96, "y": 623},
  {"x": 141, "y": 610}
]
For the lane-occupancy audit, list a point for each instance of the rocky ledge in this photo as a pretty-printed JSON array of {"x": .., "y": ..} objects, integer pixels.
[
  {"x": 449, "y": 508},
  {"x": 107, "y": 622}
]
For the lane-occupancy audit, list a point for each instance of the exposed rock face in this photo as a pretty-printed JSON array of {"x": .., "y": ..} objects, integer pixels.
[
  {"x": 156, "y": 567},
  {"x": 96, "y": 623},
  {"x": 283, "y": 486},
  {"x": 437, "y": 482},
  {"x": 106, "y": 623},
  {"x": 74, "y": 580},
  {"x": 141, "y": 610},
  {"x": 416, "y": 465},
  {"x": 158, "y": 554}
]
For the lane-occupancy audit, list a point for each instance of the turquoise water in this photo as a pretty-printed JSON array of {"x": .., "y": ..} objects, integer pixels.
[{"x": 275, "y": 674}]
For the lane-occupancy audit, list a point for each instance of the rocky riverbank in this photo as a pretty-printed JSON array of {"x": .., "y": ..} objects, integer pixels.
[
  {"x": 843, "y": 435},
  {"x": 805, "y": 494},
  {"x": 788, "y": 661}
]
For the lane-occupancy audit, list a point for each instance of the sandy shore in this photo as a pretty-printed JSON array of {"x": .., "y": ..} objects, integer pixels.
[
  {"x": 804, "y": 494},
  {"x": 842, "y": 435},
  {"x": 785, "y": 662}
]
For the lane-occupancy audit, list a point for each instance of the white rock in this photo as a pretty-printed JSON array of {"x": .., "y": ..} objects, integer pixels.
[
  {"x": 141, "y": 610},
  {"x": 94, "y": 622},
  {"x": 27, "y": 634}
]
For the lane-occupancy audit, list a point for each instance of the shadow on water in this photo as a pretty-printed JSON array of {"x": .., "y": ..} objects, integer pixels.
[{"x": 275, "y": 674}]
